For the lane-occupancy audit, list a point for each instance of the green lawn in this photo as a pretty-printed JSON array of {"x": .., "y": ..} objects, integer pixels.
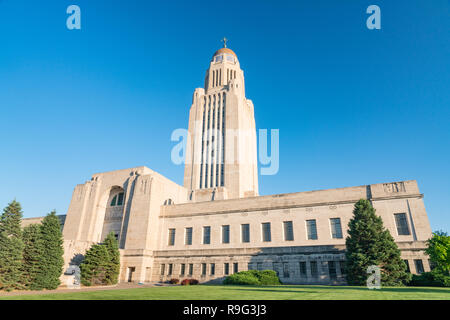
[{"x": 220, "y": 292}]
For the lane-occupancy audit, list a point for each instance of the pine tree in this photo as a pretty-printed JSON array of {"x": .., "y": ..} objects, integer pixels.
[
  {"x": 113, "y": 264},
  {"x": 369, "y": 243},
  {"x": 32, "y": 255},
  {"x": 11, "y": 247},
  {"x": 94, "y": 266},
  {"x": 51, "y": 262}
]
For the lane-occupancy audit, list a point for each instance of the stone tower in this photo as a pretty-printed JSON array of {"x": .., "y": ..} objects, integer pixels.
[{"x": 221, "y": 153}]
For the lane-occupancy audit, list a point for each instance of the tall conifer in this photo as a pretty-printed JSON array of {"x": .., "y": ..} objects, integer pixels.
[
  {"x": 369, "y": 243},
  {"x": 11, "y": 247}
]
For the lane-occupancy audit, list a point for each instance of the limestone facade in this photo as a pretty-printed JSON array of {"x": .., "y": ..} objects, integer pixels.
[{"x": 216, "y": 223}]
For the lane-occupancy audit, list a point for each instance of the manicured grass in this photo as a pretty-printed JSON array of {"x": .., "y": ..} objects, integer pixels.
[{"x": 220, "y": 292}]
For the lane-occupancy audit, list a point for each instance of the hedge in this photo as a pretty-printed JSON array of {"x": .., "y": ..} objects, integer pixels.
[{"x": 253, "y": 277}]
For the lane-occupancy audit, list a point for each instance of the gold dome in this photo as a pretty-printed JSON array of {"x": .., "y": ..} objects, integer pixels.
[{"x": 224, "y": 50}]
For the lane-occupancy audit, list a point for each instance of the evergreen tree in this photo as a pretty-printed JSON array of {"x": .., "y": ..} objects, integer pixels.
[
  {"x": 32, "y": 255},
  {"x": 11, "y": 247},
  {"x": 113, "y": 264},
  {"x": 95, "y": 265},
  {"x": 51, "y": 262},
  {"x": 369, "y": 244}
]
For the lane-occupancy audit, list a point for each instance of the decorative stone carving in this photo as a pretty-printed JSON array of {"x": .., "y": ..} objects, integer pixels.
[{"x": 394, "y": 187}]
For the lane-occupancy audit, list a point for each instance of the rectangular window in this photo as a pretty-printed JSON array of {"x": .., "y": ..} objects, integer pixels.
[
  {"x": 226, "y": 234},
  {"x": 207, "y": 235},
  {"x": 235, "y": 267},
  {"x": 245, "y": 228},
  {"x": 226, "y": 268},
  {"x": 285, "y": 269},
  {"x": 213, "y": 269},
  {"x": 171, "y": 237},
  {"x": 259, "y": 266},
  {"x": 314, "y": 270},
  {"x": 336, "y": 229},
  {"x": 402, "y": 224},
  {"x": 303, "y": 269},
  {"x": 311, "y": 229},
  {"x": 407, "y": 266},
  {"x": 343, "y": 267},
  {"x": 266, "y": 232},
  {"x": 288, "y": 231},
  {"x": 183, "y": 269},
  {"x": 419, "y": 266},
  {"x": 170, "y": 269},
  {"x": 191, "y": 268},
  {"x": 276, "y": 266},
  {"x": 163, "y": 269},
  {"x": 188, "y": 236},
  {"x": 332, "y": 269},
  {"x": 120, "y": 199},
  {"x": 203, "y": 269}
]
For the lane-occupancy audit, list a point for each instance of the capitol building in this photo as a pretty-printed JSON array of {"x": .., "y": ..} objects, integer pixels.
[{"x": 216, "y": 223}]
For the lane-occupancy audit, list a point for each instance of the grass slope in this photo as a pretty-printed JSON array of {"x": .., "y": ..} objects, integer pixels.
[{"x": 216, "y": 292}]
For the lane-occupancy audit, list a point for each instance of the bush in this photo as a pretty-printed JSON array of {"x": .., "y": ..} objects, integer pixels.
[
  {"x": 187, "y": 282},
  {"x": 253, "y": 277},
  {"x": 174, "y": 281},
  {"x": 430, "y": 279}
]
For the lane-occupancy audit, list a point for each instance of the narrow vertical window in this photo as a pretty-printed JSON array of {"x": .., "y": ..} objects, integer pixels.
[
  {"x": 285, "y": 269},
  {"x": 226, "y": 268},
  {"x": 419, "y": 266},
  {"x": 245, "y": 229},
  {"x": 188, "y": 236},
  {"x": 302, "y": 269},
  {"x": 336, "y": 229},
  {"x": 407, "y": 266},
  {"x": 266, "y": 232},
  {"x": 213, "y": 269},
  {"x": 203, "y": 269},
  {"x": 170, "y": 269},
  {"x": 182, "y": 269},
  {"x": 332, "y": 269},
  {"x": 171, "y": 237},
  {"x": 163, "y": 269},
  {"x": 226, "y": 234},
  {"x": 235, "y": 267},
  {"x": 314, "y": 269},
  {"x": 191, "y": 268},
  {"x": 402, "y": 224},
  {"x": 207, "y": 235},
  {"x": 311, "y": 229},
  {"x": 342, "y": 265},
  {"x": 288, "y": 231}
]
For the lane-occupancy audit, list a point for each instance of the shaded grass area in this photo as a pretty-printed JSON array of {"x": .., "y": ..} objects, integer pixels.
[{"x": 220, "y": 292}]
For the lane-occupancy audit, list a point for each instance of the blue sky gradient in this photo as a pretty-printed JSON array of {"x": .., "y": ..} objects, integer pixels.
[{"x": 353, "y": 106}]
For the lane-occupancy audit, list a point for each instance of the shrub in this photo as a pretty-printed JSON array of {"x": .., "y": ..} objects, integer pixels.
[
  {"x": 174, "y": 281},
  {"x": 253, "y": 277},
  {"x": 187, "y": 282},
  {"x": 430, "y": 279}
]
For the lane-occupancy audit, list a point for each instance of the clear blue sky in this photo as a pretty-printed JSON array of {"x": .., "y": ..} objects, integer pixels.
[{"x": 353, "y": 106}]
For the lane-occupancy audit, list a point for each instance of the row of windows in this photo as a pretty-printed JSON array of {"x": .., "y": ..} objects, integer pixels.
[
  {"x": 283, "y": 269},
  {"x": 288, "y": 230},
  {"x": 311, "y": 231}
]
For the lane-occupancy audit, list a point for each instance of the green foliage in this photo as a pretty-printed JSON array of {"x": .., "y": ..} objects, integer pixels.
[
  {"x": 11, "y": 247},
  {"x": 32, "y": 254},
  {"x": 94, "y": 266},
  {"x": 253, "y": 277},
  {"x": 369, "y": 243},
  {"x": 438, "y": 248},
  {"x": 435, "y": 278},
  {"x": 101, "y": 264},
  {"x": 51, "y": 248},
  {"x": 113, "y": 263}
]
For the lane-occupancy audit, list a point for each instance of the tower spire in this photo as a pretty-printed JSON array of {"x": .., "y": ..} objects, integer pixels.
[{"x": 224, "y": 40}]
